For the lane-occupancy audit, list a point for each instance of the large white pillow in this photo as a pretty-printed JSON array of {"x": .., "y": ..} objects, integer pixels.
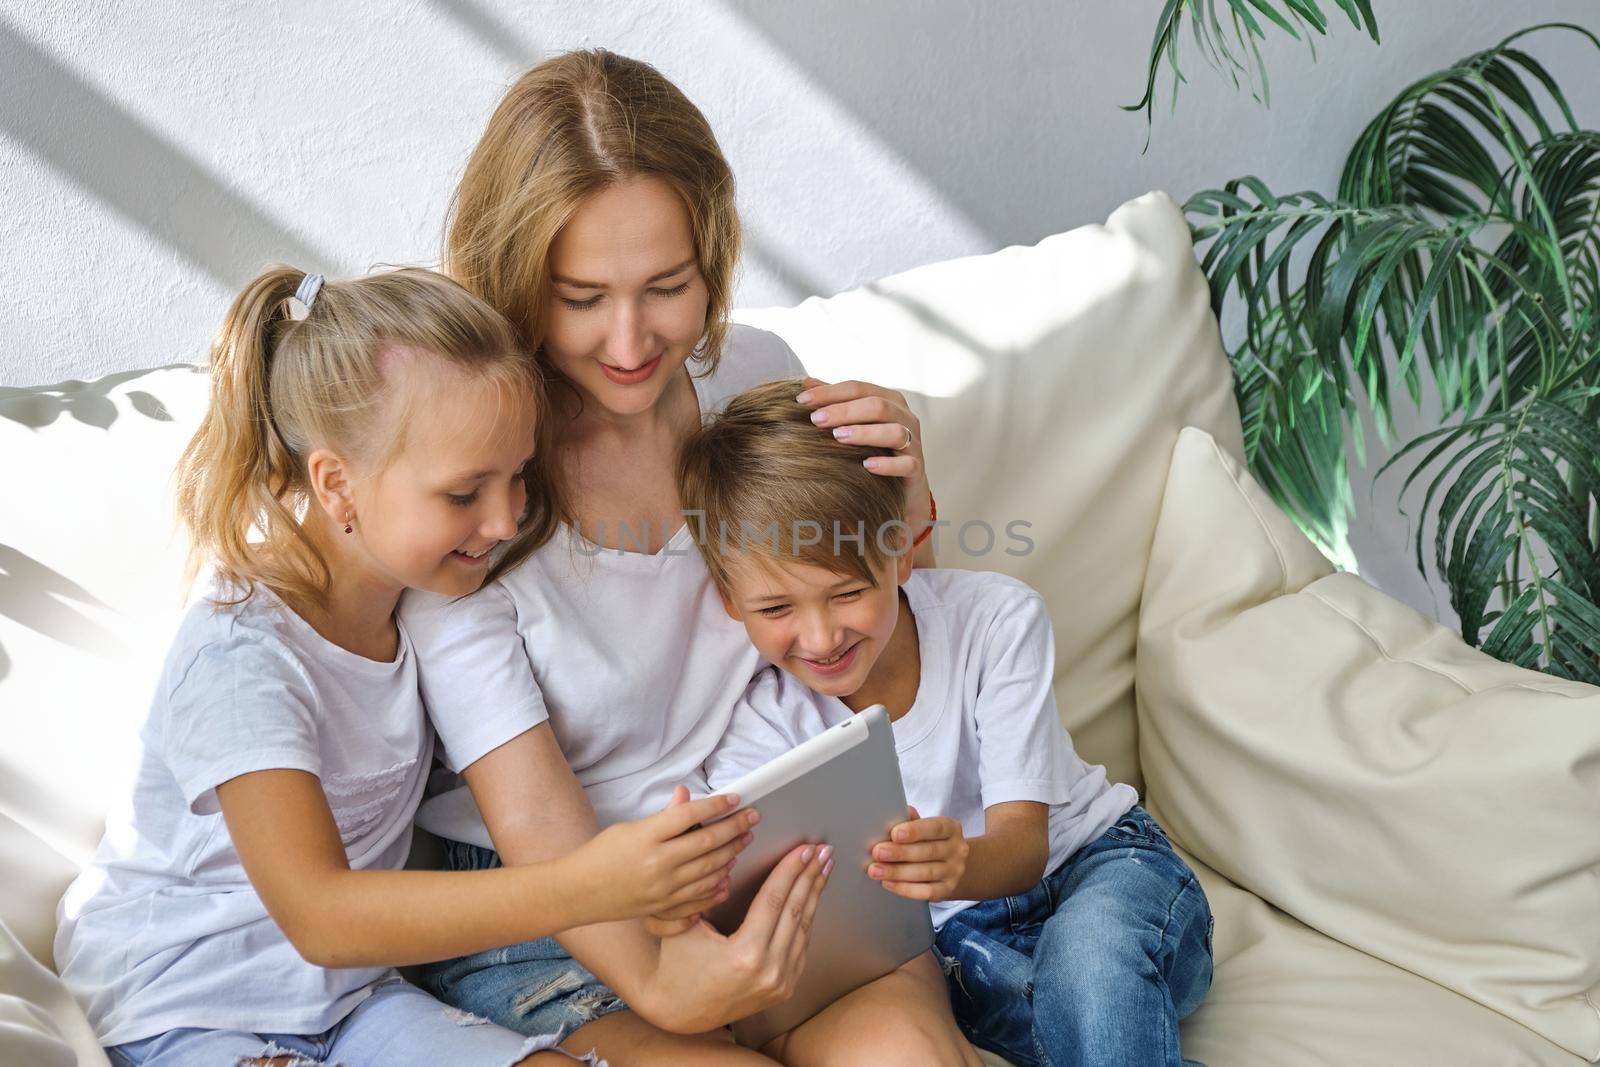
[
  {"x": 1051, "y": 382},
  {"x": 90, "y": 593},
  {"x": 1360, "y": 767},
  {"x": 40, "y": 1024}
]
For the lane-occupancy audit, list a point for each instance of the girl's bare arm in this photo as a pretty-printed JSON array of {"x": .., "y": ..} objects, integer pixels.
[{"x": 289, "y": 845}]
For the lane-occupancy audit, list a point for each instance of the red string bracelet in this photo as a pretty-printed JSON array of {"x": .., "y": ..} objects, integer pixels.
[{"x": 933, "y": 517}]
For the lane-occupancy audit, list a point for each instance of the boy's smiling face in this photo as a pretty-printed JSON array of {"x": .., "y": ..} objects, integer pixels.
[{"x": 827, "y": 628}]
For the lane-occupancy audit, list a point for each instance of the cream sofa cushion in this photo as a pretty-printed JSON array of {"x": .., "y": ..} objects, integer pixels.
[
  {"x": 40, "y": 1025},
  {"x": 1361, "y": 768},
  {"x": 1051, "y": 382},
  {"x": 90, "y": 594},
  {"x": 1283, "y": 994}
]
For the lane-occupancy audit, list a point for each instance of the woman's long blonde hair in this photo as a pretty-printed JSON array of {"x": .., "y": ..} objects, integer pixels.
[
  {"x": 569, "y": 128},
  {"x": 282, "y": 387}
]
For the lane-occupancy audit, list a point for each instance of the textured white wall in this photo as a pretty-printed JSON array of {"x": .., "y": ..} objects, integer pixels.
[{"x": 153, "y": 155}]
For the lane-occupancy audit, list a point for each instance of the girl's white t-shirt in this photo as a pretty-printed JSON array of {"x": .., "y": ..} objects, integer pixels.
[
  {"x": 628, "y": 655},
  {"x": 983, "y": 729},
  {"x": 163, "y": 929}
]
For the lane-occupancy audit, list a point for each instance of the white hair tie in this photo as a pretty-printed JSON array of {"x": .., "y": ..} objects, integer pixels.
[{"x": 305, "y": 296}]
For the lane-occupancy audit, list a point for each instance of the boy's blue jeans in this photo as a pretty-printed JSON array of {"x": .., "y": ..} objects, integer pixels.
[{"x": 1094, "y": 965}]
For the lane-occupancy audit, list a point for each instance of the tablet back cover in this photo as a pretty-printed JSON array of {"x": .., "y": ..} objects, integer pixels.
[{"x": 861, "y": 931}]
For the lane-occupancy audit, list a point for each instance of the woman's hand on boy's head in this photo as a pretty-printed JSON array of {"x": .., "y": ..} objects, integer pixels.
[
  {"x": 924, "y": 859},
  {"x": 860, "y": 413}
]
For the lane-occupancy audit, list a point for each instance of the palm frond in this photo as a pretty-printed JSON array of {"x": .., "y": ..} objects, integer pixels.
[
  {"x": 1515, "y": 491},
  {"x": 1294, "y": 432},
  {"x": 1228, "y": 33},
  {"x": 1367, "y": 273}
]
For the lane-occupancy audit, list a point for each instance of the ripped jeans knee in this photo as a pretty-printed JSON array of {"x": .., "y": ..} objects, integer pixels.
[
  {"x": 276, "y": 1055},
  {"x": 532, "y": 988},
  {"x": 576, "y": 993},
  {"x": 951, "y": 965}
]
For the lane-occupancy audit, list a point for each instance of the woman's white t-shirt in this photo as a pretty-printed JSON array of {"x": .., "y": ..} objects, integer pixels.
[
  {"x": 164, "y": 930},
  {"x": 629, "y": 655}
]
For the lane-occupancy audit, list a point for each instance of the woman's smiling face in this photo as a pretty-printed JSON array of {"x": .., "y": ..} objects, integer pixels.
[{"x": 627, "y": 302}]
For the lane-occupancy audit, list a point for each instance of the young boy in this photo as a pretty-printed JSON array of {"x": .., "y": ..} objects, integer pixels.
[{"x": 1069, "y": 930}]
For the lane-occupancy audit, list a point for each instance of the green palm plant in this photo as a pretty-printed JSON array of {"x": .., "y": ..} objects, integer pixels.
[
  {"x": 1463, "y": 243},
  {"x": 1214, "y": 22}
]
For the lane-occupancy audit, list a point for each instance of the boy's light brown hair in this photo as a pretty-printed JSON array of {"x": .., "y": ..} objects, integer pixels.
[{"x": 758, "y": 477}]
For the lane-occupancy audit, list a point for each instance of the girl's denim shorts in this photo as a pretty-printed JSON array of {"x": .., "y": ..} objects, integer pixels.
[
  {"x": 397, "y": 1025},
  {"x": 535, "y": 988}
]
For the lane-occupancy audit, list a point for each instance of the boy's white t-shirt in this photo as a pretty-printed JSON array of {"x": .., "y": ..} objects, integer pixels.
[
  {"x": 629, "y": 655},
  {"x": 983, "y": 729},
  {"x": 163, "y": 929}
]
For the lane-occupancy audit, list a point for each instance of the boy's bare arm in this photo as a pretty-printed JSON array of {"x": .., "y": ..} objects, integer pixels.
[
  {"x": 1010, "y": 857},
  {"x": 930, "y": 859}
]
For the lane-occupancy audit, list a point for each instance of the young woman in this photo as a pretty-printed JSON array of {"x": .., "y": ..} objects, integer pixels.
[{"x": 597, "y": 213}]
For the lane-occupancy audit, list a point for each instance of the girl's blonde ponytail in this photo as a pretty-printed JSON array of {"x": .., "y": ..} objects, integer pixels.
[{"x": 234, "y": 476}]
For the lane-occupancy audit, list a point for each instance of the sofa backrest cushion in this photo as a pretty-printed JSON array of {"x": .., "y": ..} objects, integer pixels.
[{"x": 90, "y": 593}]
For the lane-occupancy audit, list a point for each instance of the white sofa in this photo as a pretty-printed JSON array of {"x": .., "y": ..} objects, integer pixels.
[{"x": 1400, "y": 837}]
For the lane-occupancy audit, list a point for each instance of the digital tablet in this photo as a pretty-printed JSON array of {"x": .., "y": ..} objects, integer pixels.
[{"x": 840, "y": 788}]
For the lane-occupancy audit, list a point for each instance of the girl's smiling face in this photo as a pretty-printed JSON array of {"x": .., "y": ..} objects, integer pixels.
[
  {"x": 430, "y": 517},
  {"x": 627, "y": 301}
]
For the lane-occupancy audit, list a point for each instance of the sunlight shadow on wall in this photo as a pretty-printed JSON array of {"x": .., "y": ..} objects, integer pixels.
[
  {"x": 102, "y": 147},
  {"x": 88, "y": 402},
  {"x": 981, "y": 105},
  {"x": 41, "y": 599},
  {"x": 491, "y": 31}
]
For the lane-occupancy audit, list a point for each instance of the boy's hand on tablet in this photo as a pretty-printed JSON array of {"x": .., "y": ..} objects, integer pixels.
[
  {"x": 923, "y": 859},
  {"x": 668, "y": 864}
]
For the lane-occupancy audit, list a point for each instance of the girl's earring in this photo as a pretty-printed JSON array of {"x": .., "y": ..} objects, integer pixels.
[{"x": 349, "y": 524}]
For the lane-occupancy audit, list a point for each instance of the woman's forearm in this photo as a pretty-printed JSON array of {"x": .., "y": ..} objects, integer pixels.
[
  {"x": 536, "y": 812},
  {"x": 621, "y": 954}
]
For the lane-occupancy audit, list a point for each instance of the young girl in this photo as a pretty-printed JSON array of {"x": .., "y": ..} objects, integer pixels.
[
  {"x": 248, "y": 904},
  {"x": 597, "y": 212}
]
